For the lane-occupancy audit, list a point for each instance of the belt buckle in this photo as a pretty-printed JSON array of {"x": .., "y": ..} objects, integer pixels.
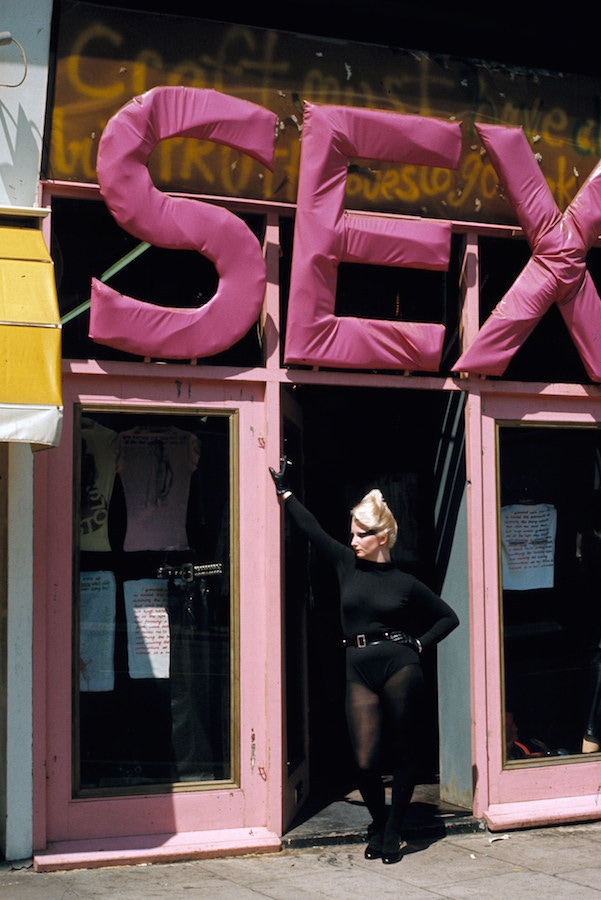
[
  {"x": 361, "y": 640},
  {"x": 187, "y": 573}
]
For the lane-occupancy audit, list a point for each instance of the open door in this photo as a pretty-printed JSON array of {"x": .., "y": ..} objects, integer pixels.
[
  {"x": 296, "y": 709},
  {"x": 344, "y": 441}
]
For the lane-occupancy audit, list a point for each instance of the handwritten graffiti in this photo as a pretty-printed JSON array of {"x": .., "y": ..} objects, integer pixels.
[{"x": 106, "y": 59}]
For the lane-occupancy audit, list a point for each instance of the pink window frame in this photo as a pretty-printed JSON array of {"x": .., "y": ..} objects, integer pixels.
[{"x": 509, "y": 797}]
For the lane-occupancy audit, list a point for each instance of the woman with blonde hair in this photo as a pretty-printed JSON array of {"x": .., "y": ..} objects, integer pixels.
[{"x": 388, "y": 619}]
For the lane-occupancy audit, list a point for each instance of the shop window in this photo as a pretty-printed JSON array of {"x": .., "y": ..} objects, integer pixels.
[
  {"x": 153, "y": 617},
  {"x": 405, "y": 295},
  {"x": 550, "y": 570},
  {"x": 87, "y": 243},
  {"x": 548, "y": 354},
  {"x": 386, "y": 292}
]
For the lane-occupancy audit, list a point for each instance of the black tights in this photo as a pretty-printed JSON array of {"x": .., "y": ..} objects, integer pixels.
[{"x": 398, "y": 707}]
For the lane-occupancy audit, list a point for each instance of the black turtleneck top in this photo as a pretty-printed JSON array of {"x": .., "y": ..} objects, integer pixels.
[{"x": 377, "y": 596}]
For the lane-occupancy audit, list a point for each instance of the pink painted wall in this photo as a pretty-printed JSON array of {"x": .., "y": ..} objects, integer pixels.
[
  {"x": 255, "y": 804},
  {"x": 516, "y": 797}
]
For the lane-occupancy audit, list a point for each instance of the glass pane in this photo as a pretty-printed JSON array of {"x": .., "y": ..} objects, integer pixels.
[
  {"x": 548, "y": 353},
  {"x": 550, "y": 563},
  {"x": 153, "y": 688},
  {"x": 87, "y": 242},
  {"x": 404, "y": 294}
]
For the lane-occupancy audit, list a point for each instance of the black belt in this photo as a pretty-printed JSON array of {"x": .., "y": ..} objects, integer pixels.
[
  {"x": 377, "y": 637},
  {"x": 189, "y": 571},
  {"x": 371, "y": 637}
]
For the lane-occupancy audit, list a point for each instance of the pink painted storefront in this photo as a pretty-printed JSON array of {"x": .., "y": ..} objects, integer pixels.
[{"x": 187, "y": 656}]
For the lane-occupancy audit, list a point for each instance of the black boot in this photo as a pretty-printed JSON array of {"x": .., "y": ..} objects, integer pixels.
[
  {"x": 375, "y": 834},
  {"x": 393, "y": 846},
  {"x": 374, "y": 848},
  {"x": 371, "y": 788}
]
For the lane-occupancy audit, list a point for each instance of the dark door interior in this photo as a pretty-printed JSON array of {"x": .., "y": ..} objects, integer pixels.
[{"x": 355, "y": 439}]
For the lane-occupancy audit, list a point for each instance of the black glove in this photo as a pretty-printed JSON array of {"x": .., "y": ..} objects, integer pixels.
[
  {"x": 280, "y": 479},
  {"x": 401, "y": 637}
]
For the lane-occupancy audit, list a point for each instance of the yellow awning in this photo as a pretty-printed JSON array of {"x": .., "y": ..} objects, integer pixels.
[{"x": 30, "y": 340}]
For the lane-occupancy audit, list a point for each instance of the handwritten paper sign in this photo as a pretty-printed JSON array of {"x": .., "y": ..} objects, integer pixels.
[
  {"x": 97, "y": 593},
  {"x": 147, "y": 628},
  {"x": 528, "y": 545}
]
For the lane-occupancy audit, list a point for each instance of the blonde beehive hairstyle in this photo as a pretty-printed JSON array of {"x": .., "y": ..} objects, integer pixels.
[{"x": 373, "y": 512}]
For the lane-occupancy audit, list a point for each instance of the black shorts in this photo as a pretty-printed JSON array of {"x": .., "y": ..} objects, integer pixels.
[{"x": 373, "y": 665}]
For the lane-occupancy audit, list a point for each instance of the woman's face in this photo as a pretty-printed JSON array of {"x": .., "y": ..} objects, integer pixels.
[{"x": 369, "y": 543}]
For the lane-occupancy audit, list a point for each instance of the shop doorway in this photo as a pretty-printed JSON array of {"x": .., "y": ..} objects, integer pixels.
[{"x": 353, "y": 439}]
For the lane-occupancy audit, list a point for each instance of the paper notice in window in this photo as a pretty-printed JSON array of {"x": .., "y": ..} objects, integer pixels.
[
  {"x": 528, "y": 545},
  {"x": 147, "y": 628},
  {"x": 97, "y": 593}
]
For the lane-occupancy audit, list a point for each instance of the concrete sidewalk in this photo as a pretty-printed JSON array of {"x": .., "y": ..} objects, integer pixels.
[
  {"x": 344, "y": 820},
  {"x": 558, "y": 862},
  {"x": 450, "y": 854}
]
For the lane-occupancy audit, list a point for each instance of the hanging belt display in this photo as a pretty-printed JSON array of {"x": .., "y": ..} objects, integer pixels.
[{"x": 189, "y": 572}]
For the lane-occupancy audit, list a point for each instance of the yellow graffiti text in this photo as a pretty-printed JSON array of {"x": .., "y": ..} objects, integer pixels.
[{"x": 84, "y": 44}]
